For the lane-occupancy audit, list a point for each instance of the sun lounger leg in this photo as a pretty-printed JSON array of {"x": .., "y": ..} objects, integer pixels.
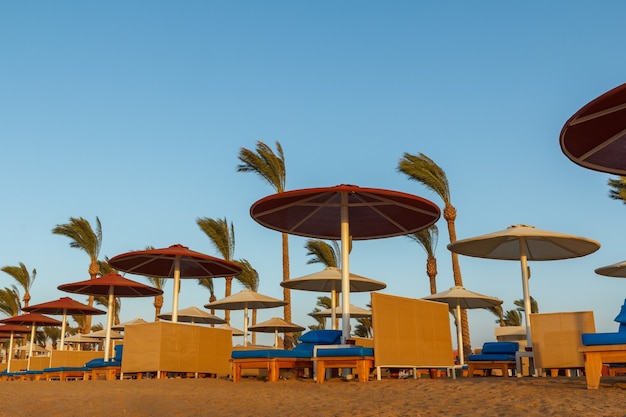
[{"x": 593, "y": 369}]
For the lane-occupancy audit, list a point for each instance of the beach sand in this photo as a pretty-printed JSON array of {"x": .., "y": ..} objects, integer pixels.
[{"x": 483, "y": 396}]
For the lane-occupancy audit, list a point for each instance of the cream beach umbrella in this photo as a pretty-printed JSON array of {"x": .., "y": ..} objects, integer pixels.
[
  {"x": 194, "y": 315},
  {"x": 525, "y": 243},
  {"x": 329, "y": 280},
  {"x": 355, "y": 312},
  {"x": 235, "y": 331},
  {"x": 275, "y": 325},
  {"x": 11, "y": 330},
  {"x": 177, "y": 262},
  {"x": 64, "y": 306},
  {"x": 33, "y": 320},
  {"x": 345, "y": 212},
  {"x": 617, "y": 270},
  {"x": 243, "y": 300},
  {"x": 595, "y": 136},
  {"x": 111, "y": 285},
  {"x": 459, "y": 298},
  {"x": 122, "y": 326}
]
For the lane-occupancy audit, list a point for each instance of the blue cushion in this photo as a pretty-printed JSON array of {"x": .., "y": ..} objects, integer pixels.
[
  {"x": 118, "y": 353},
  {"x": 348, "y": 351},
  {"x": 269, "y": 353},
  {"x": 592, "y": 339},
  {"x": 492, "y": 357},
  {"x": 99, "y": 363},
  {"x": 66, "y": 368},
  {"x": 500, "y": 347},
  {"x": 322, "y": 337}
]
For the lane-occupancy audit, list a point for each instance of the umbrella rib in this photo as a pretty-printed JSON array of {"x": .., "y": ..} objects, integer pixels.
[
  {"x": 600, "y": 113},
  {"x": 603, "y": 144},
  {"x": 385, "y": 202}
]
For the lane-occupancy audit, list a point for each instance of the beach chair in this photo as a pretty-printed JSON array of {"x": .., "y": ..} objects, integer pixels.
[
  {"x": 273, "y": 360},
  {"x": 494, "y": 355},
  {"x": 604, "y": 348},
  {"x": 110, "y": 370},
  {"x": 354, "y": 357}
]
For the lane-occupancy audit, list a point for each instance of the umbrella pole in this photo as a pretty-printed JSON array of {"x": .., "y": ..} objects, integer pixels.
[
  {"x": 525, "y": 287},
  {"x": 30, "y": 348},
  {"x": 176, "y": 289},
  {"x": 63, "y": 329},
  {"x": 345, "y": 269},
  {"x": 107, "y": 340},
  {"x": 459, "y": 334},
  {"x": 276, "y": 338},
  {"x": 245, "y": 326},
  {"x": 10, "y": 353}
]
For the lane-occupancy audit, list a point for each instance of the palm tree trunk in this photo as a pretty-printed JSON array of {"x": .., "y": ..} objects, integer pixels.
[
  {"x": 450, "y": 216},
  {"x": 227, "y": 293},
  {"x": 254, "y": 311},
  {"x": 286, "y": 291}
]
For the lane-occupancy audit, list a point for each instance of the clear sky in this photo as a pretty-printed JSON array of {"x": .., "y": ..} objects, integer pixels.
[{"x": 135, "y": 111}]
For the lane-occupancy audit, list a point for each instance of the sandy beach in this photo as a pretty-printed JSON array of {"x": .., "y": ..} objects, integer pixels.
[{"x": 487, "y": 396}]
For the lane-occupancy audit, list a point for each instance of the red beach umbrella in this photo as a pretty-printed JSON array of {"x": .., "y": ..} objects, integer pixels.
[
  {"x": 12, "y": 329},
  {"x": 62, "y": 307},
  {"x": 176, "y": 262},
  {"x": 595, "y": 136},
  {"x": 33, "y": 320},
  {"x": 112, "y": 285},
  {"x": 345, "y": 212}
]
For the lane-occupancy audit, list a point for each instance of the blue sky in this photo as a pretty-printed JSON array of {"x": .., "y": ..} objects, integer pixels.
[{"x": 135, "y": 111}]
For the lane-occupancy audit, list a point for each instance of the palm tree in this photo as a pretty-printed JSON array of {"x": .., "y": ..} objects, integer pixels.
[
  {"x": 271, "y": 167},
  {"x": 498, "y": 312},
  {"x": 424, "y": 170},
  {"x": 325, "y": 303},
  {"x": 21, "y": 275},
  {"x": 208, "y": 284},
  {"x": 85, "y": 238},
  {"x": 427, "y": 239},
  {"x": 513, "y": 318},
  {"x": 52, "y": 333},
  {"x": 618, "y": 189},
  {"x": 322, "y": 252},
  {"x": 10, "y": 301},
  {"x": 249, "y": 278},
  {"x": 328, "y": 255},
  {"x": 223, "y": 238}
]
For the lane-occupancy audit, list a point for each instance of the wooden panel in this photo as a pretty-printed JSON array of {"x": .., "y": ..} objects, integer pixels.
[
  {"x": 557, "y": 338},
  {"x": 410, "y": 332}
]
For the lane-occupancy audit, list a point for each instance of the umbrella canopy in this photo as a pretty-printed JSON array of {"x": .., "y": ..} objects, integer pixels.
[
  {"x": 355, "y": 312},
  {"x": 33, "y": 320},
  {"x": 62, "y": 307},
  {"x": 595, "y": 136},
  {"x": 194, "y": 315},
  {"x": 33, "y": 348},
  {"x": 236, "y": 332},
  {"x": 525, "y": 243},
  {"x": 329, "y": 280},
  {"x": 617, "y": 270},
  {"x": 459, "y": 298},
  {"x": 345, "y": 212},
  {"x": 243, "y": 300},
  {"x": 102, "y": 334},
  {"x": 113, "y": 285},
  {"x": 176, "y": 261},
  {"x": 132, "y": 322},
  {"x": 275, "y": 325},
  {"x": 79, "y": 338}
]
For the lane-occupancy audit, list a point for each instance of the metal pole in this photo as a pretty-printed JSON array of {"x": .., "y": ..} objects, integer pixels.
[
  {"x": 176, "y": 289},
  {"x": 525, "y": 287},
  {"x": 345, "y": 269}
]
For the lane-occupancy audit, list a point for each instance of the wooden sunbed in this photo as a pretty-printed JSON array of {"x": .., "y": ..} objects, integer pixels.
[
  {"x": 488, "y": 366},
  {"x": 595, "y": 356},
  {"x": 273, "y": 366},
  {"x": 362, "y": 364}
]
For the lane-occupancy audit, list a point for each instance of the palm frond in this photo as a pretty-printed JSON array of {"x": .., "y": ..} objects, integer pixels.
[{"x": 424, "y": 170}]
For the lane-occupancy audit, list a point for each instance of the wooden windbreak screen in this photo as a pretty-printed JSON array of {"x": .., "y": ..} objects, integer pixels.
[
  {"x": 557, "y": 336},
  {"x": 411, "y": 332}
]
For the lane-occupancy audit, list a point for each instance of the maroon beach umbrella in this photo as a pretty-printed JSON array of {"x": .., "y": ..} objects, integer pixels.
[
  {"x": 176, "y": 262},
  {"x": 62, "y": 307},
  {"x": 345, "y": 212},
  {"x": 10, "y": 330},
  {"x": 595, "y": 136},
  {"x": 111, "y": 285},
  {"x": 33, "y": 320}
]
